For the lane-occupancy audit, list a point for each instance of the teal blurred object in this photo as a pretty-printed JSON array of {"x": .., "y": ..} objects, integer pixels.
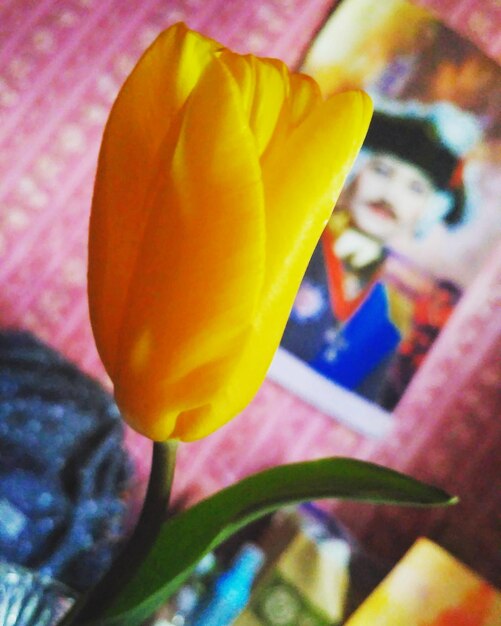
[{"x": 231, "y": 591}]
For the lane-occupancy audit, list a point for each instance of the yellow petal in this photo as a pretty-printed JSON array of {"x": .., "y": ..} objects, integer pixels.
[
  {"x": 303, "y": 177},
  {"x": 242, "y": 70},
  {"x": 141, "y": 118},
  {"x": 264, "y": 85},
  {"x": 305, "y": 95},
  {"x": 199, "y": 274},
  {"x": 272, "y": 88},
  {"x": 302, "y": 181}
]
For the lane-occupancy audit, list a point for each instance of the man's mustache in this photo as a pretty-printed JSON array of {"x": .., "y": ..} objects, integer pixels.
[{"x": 382, "y": 205}]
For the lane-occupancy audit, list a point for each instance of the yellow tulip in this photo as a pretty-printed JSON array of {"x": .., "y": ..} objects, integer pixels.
[{"x": 216, "y": 176}]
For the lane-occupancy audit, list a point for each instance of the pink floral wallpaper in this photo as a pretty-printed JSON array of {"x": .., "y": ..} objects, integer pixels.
[{"x": 61, "y": 64}]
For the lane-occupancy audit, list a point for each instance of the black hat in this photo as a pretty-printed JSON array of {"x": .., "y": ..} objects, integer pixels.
[{"x": 417, "y": 141}]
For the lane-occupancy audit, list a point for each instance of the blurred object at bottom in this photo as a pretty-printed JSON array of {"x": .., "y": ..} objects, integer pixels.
[
  {"x": 298, "y": 567},
  {"x": 231, "y": 591},
  {"x": 314, "y": 579},
  {"x": 429, "y": 587}
]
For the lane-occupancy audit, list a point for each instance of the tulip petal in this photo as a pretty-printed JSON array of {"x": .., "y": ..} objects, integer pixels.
[
  {"x": 272, "y": 88},
  {"x": 304, "y": 175},
  {"x": 302, "y": 178},
  {"x": 305, "y": 95},
  {"x": 242, "y": 71},
  {"x": 139, "y": 122},
  {"x": 200, "y": 270},
  {"x": 264, "y": 84}
]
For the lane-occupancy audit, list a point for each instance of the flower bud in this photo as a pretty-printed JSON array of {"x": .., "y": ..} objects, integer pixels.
[{"x": 216, "y": 176}]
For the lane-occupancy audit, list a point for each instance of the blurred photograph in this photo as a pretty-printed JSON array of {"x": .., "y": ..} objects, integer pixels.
[{"x": 417, "y": 218}]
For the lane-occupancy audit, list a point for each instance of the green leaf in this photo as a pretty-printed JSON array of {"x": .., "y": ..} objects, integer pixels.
[{"x": 187, "y": 537}]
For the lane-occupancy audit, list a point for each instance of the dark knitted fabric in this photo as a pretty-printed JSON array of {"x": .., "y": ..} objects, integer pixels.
[{"x": 63, "y": 471}]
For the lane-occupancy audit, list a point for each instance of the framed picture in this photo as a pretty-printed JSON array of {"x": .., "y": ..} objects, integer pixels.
[{"x": 418, "y": 216}]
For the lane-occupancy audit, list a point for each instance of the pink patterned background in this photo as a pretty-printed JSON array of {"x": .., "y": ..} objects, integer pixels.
[{"x": 61, "y": 64}]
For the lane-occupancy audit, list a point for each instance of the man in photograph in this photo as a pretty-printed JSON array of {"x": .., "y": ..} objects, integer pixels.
[{"x": 406, "y": 183}]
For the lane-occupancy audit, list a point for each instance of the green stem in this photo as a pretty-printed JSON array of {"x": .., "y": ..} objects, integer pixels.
[{"x": 150, "y": 521}]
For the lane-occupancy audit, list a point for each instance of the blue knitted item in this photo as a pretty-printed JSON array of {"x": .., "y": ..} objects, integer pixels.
[{"x": 63, "y": 471}]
